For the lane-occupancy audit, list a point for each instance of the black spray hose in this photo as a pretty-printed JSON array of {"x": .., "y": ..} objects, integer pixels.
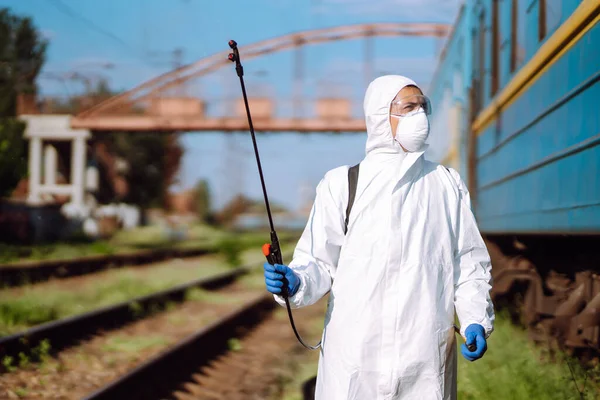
[{"x": 271, "y": 251}]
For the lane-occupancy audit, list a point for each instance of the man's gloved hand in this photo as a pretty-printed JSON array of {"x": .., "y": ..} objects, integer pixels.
[
  {"x": 475, "y": 334},
  {"x": 274, "y": 275}
]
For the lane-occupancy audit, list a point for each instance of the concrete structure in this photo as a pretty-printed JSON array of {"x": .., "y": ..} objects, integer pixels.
[{"x": 52, "y": 128}]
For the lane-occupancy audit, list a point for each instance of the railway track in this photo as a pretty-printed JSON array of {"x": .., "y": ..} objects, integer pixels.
[
  {"x": 205, "y": 366},
  {"x": 98, "y": 362},
  {"x": 64, "y": 332},
  {"x": 17, "y": 274}
]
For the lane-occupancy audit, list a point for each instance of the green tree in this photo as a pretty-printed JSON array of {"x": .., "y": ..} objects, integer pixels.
[
  {"x": 22, "y": 55},
  {"x": 13, "y": 160},
  {"x": 153, "y": 160}
]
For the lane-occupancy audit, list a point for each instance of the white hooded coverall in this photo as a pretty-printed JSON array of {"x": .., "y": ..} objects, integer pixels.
[{"x": 411, "y": 256}]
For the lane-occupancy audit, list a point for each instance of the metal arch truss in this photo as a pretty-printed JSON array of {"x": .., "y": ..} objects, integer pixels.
[{"x": 212, "y": 63}]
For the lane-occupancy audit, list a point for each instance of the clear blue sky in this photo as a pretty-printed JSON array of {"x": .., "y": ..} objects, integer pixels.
[{"x": 138, "y": 37}]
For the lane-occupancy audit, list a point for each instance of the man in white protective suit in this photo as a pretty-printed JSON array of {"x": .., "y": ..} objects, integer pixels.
[{"x": 412, "y": 255}]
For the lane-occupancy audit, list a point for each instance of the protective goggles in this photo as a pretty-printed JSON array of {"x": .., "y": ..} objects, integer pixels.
[{"x": 410, "y": 105}]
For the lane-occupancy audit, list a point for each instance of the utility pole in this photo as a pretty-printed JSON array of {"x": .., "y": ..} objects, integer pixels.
[{"x": 178, "y": 63}]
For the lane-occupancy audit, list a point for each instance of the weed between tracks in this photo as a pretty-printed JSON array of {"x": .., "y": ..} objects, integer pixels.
[
  {"x": 124, "y": 344},
  {"x": 150, "y": 237},
  {"x": 38, "y": 304},
  {"x": 40, "y": 355},
  {"x": 208, "y": 297},
  {"x": 21, "y": 308},
  {"x": 81, "y": 369}
]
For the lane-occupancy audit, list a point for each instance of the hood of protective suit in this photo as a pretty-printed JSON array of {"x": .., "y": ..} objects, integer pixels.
[{"x": 376, "y": 105}]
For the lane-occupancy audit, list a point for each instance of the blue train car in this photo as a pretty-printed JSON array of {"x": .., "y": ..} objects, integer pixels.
[{"x": 518, "y": 90}]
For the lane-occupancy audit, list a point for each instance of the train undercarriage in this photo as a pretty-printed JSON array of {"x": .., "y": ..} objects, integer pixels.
[{"x": 550, "y": 284}]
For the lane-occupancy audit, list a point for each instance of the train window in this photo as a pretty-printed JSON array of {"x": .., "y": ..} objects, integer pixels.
[
  {"x": 518, "y": 33},
  {"x": 495, "y": 46},
  {"x": 549, "y": 17}
]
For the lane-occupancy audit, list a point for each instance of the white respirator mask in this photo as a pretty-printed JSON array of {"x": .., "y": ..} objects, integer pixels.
[
  {"x": 412, "y": 131},
  {"x": 413, "y": 126}
]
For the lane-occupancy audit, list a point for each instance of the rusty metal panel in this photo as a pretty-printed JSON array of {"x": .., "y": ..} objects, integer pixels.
[
  {"x": 333, "y": 109},
  {"x": 177, "y": 107},
  {"x": 260, "y": 108}
]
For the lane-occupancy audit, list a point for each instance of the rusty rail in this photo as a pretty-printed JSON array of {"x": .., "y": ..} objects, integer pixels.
[
  {"x": 17, "y": 274},
  {"x": 64, "y": 332},
  {"x": 21, "y": 273},
  {"x": 160, "y": 376}
]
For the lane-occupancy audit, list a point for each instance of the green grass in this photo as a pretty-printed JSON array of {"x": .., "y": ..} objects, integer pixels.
[
  {"x": 21, "y": 392},
  {"x": 209, "y": 297},
  {"x": 38, "y": 304},
  {"x": 148, "y": 237},
  {"x": 132, "y": 345},
  {"x": 512, "y": 368},
  {"x": 141, "y": 238},
  {"x": 254, "y": 280}
]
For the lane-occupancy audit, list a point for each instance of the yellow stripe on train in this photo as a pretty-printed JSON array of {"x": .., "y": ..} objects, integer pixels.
[{"x": 570, "y": 32}]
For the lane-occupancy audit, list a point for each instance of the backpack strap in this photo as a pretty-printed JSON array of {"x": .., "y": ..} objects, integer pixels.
[{"x": 352, "y": 183}]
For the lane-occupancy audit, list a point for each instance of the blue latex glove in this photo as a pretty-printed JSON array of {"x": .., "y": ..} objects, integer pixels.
[
  {"x": 474, "y": 334},
  {"x": 274, "y": 278}
]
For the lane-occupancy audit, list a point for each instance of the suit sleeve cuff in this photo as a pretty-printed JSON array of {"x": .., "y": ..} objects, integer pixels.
[
  {"x": 487, "y": 327},
  {"x": 296, "y": 301}
]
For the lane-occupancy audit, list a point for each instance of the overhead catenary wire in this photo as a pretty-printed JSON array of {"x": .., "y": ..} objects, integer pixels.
[{"x": 69, "y": 11}]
